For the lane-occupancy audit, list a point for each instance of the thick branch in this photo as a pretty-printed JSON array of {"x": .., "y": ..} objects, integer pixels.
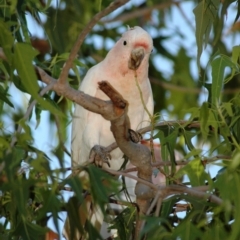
[{"x": 96, "y": 105}]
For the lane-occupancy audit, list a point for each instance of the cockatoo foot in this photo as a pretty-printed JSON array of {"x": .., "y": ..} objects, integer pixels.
[
  {"x": 99, "y": 155},
  {"x": 135, "y": 136}
]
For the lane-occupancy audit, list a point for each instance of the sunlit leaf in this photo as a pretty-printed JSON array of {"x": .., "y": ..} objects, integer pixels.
[{"x": 195, "y": 171}]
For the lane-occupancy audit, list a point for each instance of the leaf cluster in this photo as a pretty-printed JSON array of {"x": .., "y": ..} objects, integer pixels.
[{"x": 33, "y": 190}]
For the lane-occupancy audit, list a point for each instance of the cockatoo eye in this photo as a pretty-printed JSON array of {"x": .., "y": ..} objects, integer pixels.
[{"x": 124, "y": 43}]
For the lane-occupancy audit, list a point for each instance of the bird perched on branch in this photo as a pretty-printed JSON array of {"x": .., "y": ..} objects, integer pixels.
[{"x": 90, "y": 131}]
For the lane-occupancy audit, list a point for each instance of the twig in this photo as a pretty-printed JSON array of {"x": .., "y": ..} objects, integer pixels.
[
  {"x": 184, "y": 123},
  {"x": 159, "y": 204},
  {"x": 195, "y": 192},
  {"x": 120, "y": 173},
  {"x": 185, "y": 162},
  {"x": 182, "y": 162},
  {"x": 140, "y": 12},
  {"x": 199, "y": 192},
  {"x": 112, "y": 6},
  {"x": 181, "y": 207},
  {"x": 170, "y": 86},
  {"x": 182, "y": 89},
  {"x": 194, "y": 124},
  {"x": 153, "y": 202}
]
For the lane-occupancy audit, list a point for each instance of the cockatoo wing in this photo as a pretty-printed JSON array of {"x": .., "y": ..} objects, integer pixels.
[{"x": 80, "y": 119}]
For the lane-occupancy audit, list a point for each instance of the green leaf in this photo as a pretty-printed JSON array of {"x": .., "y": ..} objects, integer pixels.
[
  {"x": 38, "y": 112},
  {"x": 235, "y": 163},
  {"x": 205, "y": 13},
  {"x": 228, "y": 107},
  {"x": 6, "y": 40},
  {"x": 167, "y": 206},
  {"x": 99, "y": 180},
  {"x": 216, "y": 230},
  {"x": 4, "y": 69},
  {"x": 51, "y": 203},
  {"x": 23, "y": 58},
  {"x": 204, "y": 114},
  {"x": 4, "y": 96},
  {"x": 76, "y": 186},
  {"x": 28, "y": 231},
  {"x": 168, "y": 137},
  {"x": 92, "y": 231},
  {"x": 74, "y": 217},
  {"x": 235, "y": 54},
  {"x": 187, "y": 230},
  {"x": 124, "y": 223},
  {"x": 188, "y": 135},
  {"x": 230, "y": 194},
  {"x": 218, "y": 67},
  {"x": 157, "y": 228},
  {"x": 195, "y": 171}
]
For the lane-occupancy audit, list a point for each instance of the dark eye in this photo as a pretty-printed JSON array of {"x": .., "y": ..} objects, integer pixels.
[
  {"x": 151, "y": 50},
  {"x": 125, "y": 43}
]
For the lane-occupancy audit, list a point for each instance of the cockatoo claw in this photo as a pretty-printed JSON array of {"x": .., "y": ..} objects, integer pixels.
[{"x": 99, "y": 155}]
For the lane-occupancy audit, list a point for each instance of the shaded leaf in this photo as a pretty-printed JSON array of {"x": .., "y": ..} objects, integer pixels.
[
  {"x": 6, "y": 40},
  {"x": 75, "y": 184},
  {"x": 4, "y": 96},
  {"x": 102, "y": 185},
  {"x": 29, "y": 231},
  {"x": 124, "y": 223}
]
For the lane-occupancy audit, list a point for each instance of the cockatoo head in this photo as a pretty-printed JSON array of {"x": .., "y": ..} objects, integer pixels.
[{"x": 132, "y": 50}]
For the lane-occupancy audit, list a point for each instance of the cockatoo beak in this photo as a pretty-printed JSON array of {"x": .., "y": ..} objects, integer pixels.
[{"x": 136, "y": 58}]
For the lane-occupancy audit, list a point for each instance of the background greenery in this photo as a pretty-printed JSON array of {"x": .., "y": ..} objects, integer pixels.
[{"x": 194, "y": 71}]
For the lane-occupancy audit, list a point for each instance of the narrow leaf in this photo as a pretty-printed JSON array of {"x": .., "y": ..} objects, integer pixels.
[
  {"x": 4, "y": 96},
  {"x": 204, "y": 17},
  {"x": 23, "y": 58}
]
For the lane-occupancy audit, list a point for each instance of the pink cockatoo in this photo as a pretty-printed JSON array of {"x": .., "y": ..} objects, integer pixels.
[{"x": 90, "y": 131}]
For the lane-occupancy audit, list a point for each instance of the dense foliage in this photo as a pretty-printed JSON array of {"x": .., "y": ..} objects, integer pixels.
[{"x": 195, "y": 79}]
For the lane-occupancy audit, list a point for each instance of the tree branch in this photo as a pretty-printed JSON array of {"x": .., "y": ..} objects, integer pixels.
[
  {"x": 139, "y": 12},
  {"x": 112, "y": 6},
  {"x": 182, "y": 89}
]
